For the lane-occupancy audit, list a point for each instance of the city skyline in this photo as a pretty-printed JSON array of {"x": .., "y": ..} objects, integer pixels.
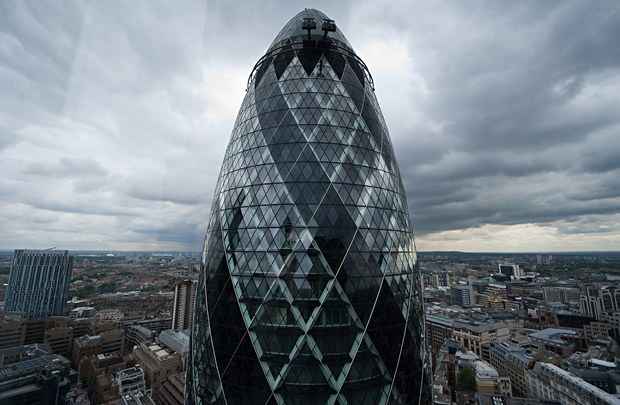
[{"x": 114, "y": 119}]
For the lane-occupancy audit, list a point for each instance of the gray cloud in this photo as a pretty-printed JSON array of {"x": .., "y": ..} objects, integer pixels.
[
  {"x": 114, "y": 117},
  {"x": 66, "y": 167}
]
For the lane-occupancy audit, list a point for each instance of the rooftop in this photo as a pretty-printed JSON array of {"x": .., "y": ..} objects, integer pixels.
[
  {"x": 553, "y": 335},
  {"x": 577, "y": 382},
  {"x": 45, "y": 363},
  {"x": 484, "y": 370}
]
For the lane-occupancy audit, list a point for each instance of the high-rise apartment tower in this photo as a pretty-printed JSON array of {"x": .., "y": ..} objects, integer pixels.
[{"x": 184, "y": 300}]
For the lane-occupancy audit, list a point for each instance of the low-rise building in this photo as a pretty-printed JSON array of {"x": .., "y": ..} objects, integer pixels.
[
  {"x": 556, "y": 340},
  {"x": 136, "y": 335},
  {"x": 40, "y": 378},
  {"x": 511, "y": 361},
  {"x": 171, "y": 391},
  {"x": 549, "y": 382},
  {"x": 472, "y": 335},
  {"x": 11, "y": 333},
  {"x": 60, "y": 340},
  {"x": 158, "y": 363},
  {"x": 132, "y": 387}
]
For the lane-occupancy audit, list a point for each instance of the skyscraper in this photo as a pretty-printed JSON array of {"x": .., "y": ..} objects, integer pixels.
[
  {"x": 309, "y": 292},
  {"x": 39, "y": 283},
  {"x": 184, "y": 299}
]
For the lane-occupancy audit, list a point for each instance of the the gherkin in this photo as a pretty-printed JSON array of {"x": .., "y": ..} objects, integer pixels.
[{"x": 309, "y": 292}]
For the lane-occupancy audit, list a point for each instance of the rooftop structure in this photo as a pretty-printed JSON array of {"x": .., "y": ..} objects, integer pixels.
[{"x": 38, "y": 379}]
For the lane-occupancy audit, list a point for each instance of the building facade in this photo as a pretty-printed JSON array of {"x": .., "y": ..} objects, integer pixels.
[
  {"x": 463, "y": 295},
  {"x": 184, "y": 300},
  {"x": 511, "y": 361},
  {"x": 39, "y": 282},
  {"x": 549, "y": 382},
  {"x": 309, "y": 292}
]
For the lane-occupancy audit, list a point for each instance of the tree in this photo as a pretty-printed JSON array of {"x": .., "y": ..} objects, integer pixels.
[{"x": 466, "y": 380}]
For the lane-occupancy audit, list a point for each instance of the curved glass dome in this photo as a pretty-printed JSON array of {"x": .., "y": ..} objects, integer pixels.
[
  {"x": 309, "y": 292},
  {"x": 293, "y": 30}
]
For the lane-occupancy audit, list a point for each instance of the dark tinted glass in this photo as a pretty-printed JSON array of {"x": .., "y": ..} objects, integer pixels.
[{"x": 309, "y": 292}]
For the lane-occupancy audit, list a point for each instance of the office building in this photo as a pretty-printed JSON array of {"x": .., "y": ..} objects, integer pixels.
[
  {"x": 184, "y": 300},
  {"x": 555, "y": 340},
  {"x": 96, "y": 371},
  {"x": 172, "y": 391},
  {"x": 158, "y": 363},
  {"x": 106, "y": 342},
  {"x": 513, "y": 271},
  {"x": 309, "y": 270},
  {"x": 597, "y": 301},
  {"x": 11, "y": 333},
  {"x": 137, "y": 334},
  {"x": 39, "y": 283},
  {"x": 511, "y": 361},
  {"x": 549, "y": 382},
  {"x": 463, "y": 295},
  {"x": 562, "y": 295},
  {"x": 39, "y": 378},
  {"x": 60, "y": 340},
  {"x": 132, "y": 387},
  {"x": 488, "y": 380},
  {"x": 472, "y": 335}
]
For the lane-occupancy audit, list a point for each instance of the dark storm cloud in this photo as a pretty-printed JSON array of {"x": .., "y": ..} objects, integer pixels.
[
  {"x": 114, "y": 116},
  {"x": 527, "y": 107}
]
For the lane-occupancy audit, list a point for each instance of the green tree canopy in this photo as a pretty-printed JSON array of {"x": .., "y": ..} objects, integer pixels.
[{"x": 466, "y": 380}]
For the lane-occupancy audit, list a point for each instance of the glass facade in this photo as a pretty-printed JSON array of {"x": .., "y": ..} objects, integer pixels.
[
  {"x": 39, "y": 283},
  {"x": 309, "y": 292}
]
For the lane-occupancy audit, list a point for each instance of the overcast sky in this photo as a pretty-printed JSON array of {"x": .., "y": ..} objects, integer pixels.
[{"x": 505, "y": 117}]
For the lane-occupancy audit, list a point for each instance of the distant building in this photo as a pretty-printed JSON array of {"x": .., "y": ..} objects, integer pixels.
[
  {"x": 597, "y": 302},
  {"x": 39, "y": 283},
  {"x": 83, "y": 312},
  {"x": 548, "y": 381},
  {"x": 510, "y": 270},
  {"x": 463, "y": 295},
  {"x": 111, "y": 314},
  {"x": 438, "y": 279},
  {"x": 563, "y": 295},
  {"x": 184, "y": 301}
]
